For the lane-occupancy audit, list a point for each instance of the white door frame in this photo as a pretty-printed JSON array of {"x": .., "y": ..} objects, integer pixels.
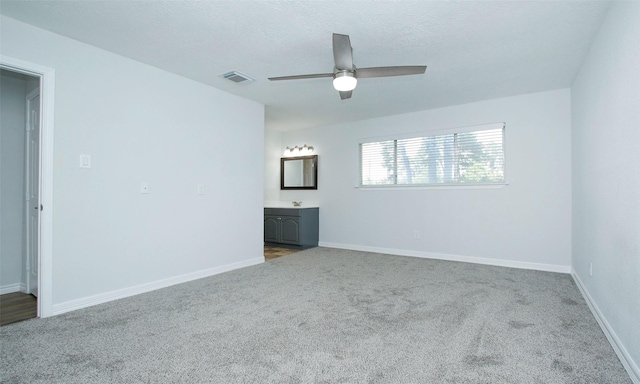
[{"x": 45, "y": 243}]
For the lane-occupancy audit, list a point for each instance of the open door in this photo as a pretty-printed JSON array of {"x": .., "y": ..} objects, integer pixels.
[{"x": 32, "y": 190}]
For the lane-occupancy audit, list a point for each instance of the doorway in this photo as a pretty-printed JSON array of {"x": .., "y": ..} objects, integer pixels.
[
  {"x": 19, "y": 191},
  {"x": 39, "y": 184}
]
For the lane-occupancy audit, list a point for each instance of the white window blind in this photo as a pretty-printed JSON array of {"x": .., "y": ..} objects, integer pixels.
[{"x": 470, "y": 156}]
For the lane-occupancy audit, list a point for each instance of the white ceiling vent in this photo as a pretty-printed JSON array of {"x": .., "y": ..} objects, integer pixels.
[{"x": 237, "y": 77}]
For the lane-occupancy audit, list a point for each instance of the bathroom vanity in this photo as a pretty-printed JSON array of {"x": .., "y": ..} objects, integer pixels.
[{"x": 294, "y": 227}]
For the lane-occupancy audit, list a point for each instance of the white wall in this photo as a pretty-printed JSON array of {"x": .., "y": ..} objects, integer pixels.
[
  {"x": 12, "y": 127},
  {"x": 140, "y": 123},
  {"x": 606, "y": 176},
  {"x": 526, "y": 223},
  {"x": 273, "y": 153}
]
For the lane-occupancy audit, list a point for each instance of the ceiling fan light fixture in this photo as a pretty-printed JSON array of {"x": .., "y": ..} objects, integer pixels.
[{"x": 344, "y": 81}]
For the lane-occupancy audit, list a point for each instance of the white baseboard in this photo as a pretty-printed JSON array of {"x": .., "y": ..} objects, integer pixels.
[
  {"x": 10, "y": 288},
  {"x": 143, "y": 288},
  {"x": 449, "y": 257},
  {"x": 626, "y": 360}
]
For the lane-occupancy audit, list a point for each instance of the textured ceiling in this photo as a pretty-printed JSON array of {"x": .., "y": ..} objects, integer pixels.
[{"x": 473, "y": 50}]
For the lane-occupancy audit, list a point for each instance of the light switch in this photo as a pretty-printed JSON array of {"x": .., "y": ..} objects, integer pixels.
[
  {"x": 144, "y": 187},
  {"x": 85, "y": 161}
]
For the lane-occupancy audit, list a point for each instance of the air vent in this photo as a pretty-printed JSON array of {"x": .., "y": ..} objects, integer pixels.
[{"x": 237, "y": 77}]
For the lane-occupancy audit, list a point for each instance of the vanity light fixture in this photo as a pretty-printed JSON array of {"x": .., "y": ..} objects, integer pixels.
[{"x": 298, "y": 151}]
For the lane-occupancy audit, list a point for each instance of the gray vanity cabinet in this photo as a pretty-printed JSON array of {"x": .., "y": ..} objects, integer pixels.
[{"x": 291, "y": 227}]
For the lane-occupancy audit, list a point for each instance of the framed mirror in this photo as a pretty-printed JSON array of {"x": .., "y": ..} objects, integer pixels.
[{"x": 299, "y": 172}]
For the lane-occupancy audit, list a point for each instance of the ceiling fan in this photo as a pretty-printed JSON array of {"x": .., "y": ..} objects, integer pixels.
[{"x": 345, "y": 74}]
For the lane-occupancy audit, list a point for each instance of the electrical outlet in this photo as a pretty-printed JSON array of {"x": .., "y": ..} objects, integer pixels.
[
  {"x": 416, "y": 234},
  {"x": 591, "y": 268},
  {"x": 200, "y": 189},
  {"x": 144, "y": 187}
]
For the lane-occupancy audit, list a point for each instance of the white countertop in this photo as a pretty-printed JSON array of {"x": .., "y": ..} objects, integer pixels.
[{"x": 289, "y": 204}]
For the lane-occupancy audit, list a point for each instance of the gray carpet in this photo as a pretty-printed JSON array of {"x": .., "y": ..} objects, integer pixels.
[{"x": 327, "y": 316}]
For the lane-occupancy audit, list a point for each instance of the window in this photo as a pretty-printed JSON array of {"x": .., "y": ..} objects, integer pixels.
[{"x": 468, "y": 156}]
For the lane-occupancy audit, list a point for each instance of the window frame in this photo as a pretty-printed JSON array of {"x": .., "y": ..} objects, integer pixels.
[{"x": 432, "y": 133}]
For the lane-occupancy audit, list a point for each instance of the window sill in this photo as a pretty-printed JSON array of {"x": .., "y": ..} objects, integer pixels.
[{"x": 432, "y": 187}]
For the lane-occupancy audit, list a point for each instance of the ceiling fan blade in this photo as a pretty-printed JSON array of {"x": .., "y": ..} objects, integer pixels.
[
  {"x": 342, "y": 52},
  {"x": 345, "y": 95},
  {"x": 390, "y": 71},
  {"x": 298, "y": 77}
]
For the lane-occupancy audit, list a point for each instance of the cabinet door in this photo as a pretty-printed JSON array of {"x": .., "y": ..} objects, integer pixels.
[
  {"x": 290, "y": 230},
  {"x": 271, "y": 224}
]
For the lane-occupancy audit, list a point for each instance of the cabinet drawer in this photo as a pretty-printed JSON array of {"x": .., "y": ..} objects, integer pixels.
[{"x": 282, "y": 211}]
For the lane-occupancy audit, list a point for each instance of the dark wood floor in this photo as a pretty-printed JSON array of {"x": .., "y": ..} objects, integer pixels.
[
  {"x": 16, "y": 307},
  {"x": 19, "y": 306}
]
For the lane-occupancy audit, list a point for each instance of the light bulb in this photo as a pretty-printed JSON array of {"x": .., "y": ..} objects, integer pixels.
[{"x": 344, "y": 81}]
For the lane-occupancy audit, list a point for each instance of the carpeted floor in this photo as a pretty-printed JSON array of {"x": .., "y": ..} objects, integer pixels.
[{"x": 326, "y": 316}]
